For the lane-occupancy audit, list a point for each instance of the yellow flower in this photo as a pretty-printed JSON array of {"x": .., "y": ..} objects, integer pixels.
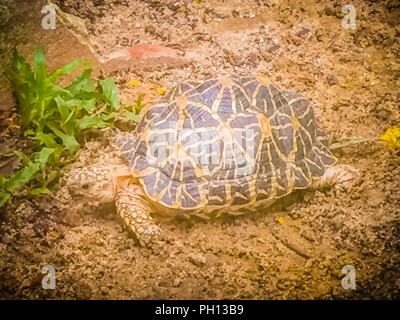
[
  {"x": 182, "y": 9},
  {"x": 281, "y": 220},
  {"x": 134, "y": 82},
  {"x": 392, "y": 137},
  {"x": 160, "y": 91},
  {"x": 55, "y": 235}
]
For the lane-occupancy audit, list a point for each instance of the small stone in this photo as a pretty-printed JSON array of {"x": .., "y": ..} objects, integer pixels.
[
  {"x": 72, "y": 219},
  {"x": 150, "y": 29},
  {"x": 274, "y": 48},
  {"x": 37, "y": 228},
  {"x": 28, "y": 232},
  {"x": 177, "y": 282},
  {"x": 332, "y": 80},
  {"x": 197, "y": 259},
  {"x": 6, "y": 238},
  {"x": 303, "y": 32},
  {"x": 235, "y": 13}
]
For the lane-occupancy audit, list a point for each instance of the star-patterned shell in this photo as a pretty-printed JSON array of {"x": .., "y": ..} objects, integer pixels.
[{"x": 226, "y": 142}]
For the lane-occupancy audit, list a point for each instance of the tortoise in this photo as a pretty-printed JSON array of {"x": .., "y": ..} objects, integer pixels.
[{"x": 224, "y": 145}]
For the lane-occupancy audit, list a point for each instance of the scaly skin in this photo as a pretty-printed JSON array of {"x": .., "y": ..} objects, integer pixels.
[
  {"x": 106, "y": 183},
  {"x": 135, "y": 211},
  {"x": 340, "y": 176}
]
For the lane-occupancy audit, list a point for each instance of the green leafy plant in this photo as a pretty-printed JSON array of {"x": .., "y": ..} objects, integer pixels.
[
  {"x": 21, "y": 177},
  {"x": 54, "y": 116},
  {"x": 132, "y": 112}
]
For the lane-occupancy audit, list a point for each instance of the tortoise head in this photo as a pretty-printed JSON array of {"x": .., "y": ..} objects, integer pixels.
[{"x": 92, "y": 183}]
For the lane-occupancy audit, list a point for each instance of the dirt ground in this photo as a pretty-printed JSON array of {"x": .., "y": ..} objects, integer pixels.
[{"x": 352, "y": 76}]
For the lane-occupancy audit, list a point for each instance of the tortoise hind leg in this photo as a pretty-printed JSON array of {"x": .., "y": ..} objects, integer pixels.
[
  {"x": 135, "y": 211},
  {"x": 341, "y": 176}
]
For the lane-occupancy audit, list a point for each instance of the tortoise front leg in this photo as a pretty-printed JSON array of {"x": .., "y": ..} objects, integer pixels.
[{"x": 135, "y": 211}]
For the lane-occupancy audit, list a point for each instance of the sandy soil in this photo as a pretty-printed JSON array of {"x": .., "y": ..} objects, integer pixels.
[{"x": 351, "y": 76}]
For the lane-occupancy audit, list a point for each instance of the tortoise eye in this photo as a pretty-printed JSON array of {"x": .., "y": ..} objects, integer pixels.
[{"x": 85, "y": 186}]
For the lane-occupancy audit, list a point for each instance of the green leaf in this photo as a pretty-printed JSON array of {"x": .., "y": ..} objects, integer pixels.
[
  {"x": 18, "y": 82},
  {"x": 111, "y": 115},
  {"x": 67, "y": 108},
  {"x": 92, "y": 122},
  {"x": 67, "y": 69},
  {"x": 72, "y": 113},
  {"x": 88, "y": 95},
  {"x": 69, "y": 141},
  {"x": 23, "y": 157},
  {"x": 54, "y": 90},
  {"x": 4, "y": 196},
  {"x": 349, "y": 142},
  {"x": 3, "y": 180},
  {"x": 37, "y": 191},
  {"x": 21, "y": 177},
  {"x": 110, "y": 92},
  {"x": 88, "y": 105},
  {"x": 139, "y": 104},
  {"x": 131, "y": 116},
  {"x": 46, "y": 138},
  {"x": 21, "y": 78},
  {"x": 40, "y": 67},
  {"x": 42, "y": 156},
  {"x": 82, "y": 83},
  {"x": 62, "y": 106},
  {"x": 57, "y": 154},
  {"x": 22, "y": 68},
  {"x": 30, "y": 132}
]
